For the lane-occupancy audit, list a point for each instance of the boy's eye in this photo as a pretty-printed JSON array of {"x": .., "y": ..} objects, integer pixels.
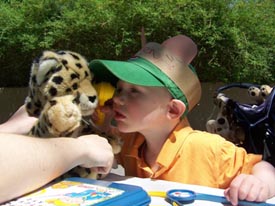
[
  {"x": 134, "y": 90},
  {"x": 118, "y": 90},
  {"x": 130, "y": 90}
]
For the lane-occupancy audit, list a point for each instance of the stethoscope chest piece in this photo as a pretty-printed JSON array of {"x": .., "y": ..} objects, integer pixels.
[{"x": 180, "y": 197}]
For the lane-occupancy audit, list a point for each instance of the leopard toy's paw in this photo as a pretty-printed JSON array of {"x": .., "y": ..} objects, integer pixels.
[
  {"x": 116, "y": 143},
  {"x": 78, "y": 172}
]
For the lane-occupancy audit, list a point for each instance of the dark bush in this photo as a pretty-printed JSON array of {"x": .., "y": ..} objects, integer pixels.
[{"x": 235, "y": 38}]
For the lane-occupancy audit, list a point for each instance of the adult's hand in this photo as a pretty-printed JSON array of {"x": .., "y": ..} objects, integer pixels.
[
  {"x": 100, "y": 157},
  {"x": 19, "y": 123}
]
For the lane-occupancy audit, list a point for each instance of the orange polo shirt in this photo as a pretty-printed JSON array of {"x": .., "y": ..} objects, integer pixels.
[{"x": 189, "y": 156}]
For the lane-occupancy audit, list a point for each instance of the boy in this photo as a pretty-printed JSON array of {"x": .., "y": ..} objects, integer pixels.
[{"x": 155, "y": 90}]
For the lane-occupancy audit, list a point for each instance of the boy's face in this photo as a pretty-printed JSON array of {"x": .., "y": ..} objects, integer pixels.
[{"x": 139, "y": 108}]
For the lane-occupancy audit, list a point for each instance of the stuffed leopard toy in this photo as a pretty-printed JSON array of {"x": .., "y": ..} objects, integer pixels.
[{"x": 63, "y": 98}]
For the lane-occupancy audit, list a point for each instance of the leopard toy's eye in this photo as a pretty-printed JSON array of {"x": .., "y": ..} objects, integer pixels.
[
  {"x": 77, "y": 98},
  {"x": 53, "y": 102}
]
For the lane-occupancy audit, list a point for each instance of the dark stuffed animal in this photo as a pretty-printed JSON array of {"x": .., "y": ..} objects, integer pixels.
[{"x": 225, "y": 123}]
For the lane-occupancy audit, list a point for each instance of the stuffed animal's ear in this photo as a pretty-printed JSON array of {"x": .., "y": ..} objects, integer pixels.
[
  {"x": 43, "y": 69},
  {"x": 220, "y": 99}
]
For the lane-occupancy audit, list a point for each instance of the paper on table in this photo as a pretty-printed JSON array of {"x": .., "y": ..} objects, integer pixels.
[{"x": 162, "y": 185}]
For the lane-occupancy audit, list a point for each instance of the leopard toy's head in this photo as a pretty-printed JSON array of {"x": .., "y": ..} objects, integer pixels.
[{"x": 56, "y": 74}]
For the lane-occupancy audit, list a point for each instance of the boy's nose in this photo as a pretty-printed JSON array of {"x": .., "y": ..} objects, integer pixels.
[{"x": 119, "y": 99}]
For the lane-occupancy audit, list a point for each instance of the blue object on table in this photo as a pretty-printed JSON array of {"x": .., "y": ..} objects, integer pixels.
[{"x": 178, "y": 197}]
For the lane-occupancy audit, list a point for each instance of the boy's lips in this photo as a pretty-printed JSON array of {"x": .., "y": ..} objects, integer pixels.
[{"x": 119, "y": 116}]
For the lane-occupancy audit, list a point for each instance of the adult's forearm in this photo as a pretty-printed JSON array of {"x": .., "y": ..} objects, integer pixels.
[{"x": 28, "y": 163}]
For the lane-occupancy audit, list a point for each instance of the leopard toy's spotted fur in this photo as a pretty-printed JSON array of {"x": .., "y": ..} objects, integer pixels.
[
  {"x": 62, "y": 97},
  {"x": 57, "y": 74}
]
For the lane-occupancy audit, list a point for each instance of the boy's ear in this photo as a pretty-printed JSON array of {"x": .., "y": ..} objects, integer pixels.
[{"x": 176, "y": 109}]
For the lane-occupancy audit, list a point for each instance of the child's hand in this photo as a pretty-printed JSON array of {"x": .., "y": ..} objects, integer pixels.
[{"x": 247, "y": 187}]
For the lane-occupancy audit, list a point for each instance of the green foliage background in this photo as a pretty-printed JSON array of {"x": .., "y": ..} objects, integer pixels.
[{"x": 235, "y": 38}]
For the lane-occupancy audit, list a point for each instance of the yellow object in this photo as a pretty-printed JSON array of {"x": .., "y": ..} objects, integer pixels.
[
  {"x": 161, "y": 194},
  {"x": 105, "y": 92},
  {"x": 175, "y": 204},
  {"x": 157, "y": 194}
]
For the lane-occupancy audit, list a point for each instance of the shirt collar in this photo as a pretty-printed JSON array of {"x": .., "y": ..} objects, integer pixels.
[
  {"x": 169, "y": 150},
  {"x": 173, "y": 144}
]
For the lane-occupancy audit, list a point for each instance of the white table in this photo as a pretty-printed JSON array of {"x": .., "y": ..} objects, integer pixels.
[{"x": 161, "y": 185}]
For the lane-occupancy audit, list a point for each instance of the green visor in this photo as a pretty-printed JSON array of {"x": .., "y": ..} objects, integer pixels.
[
  {"x": 136, "y": 71},
  {"x": 156, "y": 66}
]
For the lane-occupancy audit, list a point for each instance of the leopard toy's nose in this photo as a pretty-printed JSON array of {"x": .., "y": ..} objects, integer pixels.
[{"x": 92, "y": 98}]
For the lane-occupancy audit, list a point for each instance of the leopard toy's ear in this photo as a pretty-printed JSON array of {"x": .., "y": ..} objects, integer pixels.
[{"x": 40, "y": 70}]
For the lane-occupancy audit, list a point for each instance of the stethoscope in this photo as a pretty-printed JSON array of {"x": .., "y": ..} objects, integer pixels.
[{"x": 179, "y": 197}]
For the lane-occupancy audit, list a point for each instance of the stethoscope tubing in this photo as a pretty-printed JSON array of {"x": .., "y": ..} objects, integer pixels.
[{"x": 182, "y": 197}]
